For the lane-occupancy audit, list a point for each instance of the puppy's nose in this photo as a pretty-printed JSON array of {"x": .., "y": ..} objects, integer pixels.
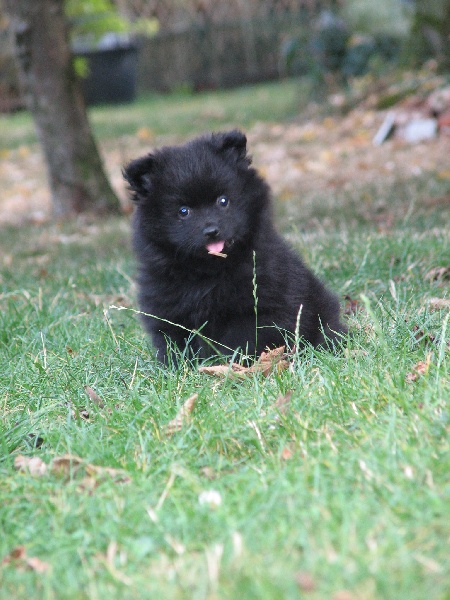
[{"x": 211, "y": 232}]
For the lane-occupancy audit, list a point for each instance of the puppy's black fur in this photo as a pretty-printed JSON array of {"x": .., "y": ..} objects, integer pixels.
[{"x": 204, "y": 196}]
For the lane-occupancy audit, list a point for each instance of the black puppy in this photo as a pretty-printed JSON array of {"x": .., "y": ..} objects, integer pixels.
[{"x": 214, "y": 275}]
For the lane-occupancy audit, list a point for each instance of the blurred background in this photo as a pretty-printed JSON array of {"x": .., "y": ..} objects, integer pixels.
[
  {"x": 194, "y": 45},
  {"x": 156, "y": 71}
]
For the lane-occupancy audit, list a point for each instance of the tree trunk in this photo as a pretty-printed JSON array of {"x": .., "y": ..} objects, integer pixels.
[
  {"x": 430, "y": 33},
  {"x": 77, "y": 180}
]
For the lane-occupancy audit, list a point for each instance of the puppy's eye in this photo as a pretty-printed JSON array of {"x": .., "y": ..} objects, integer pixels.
[
  {"x": 222, "y": 201},
  {"x": 184, "y": 212}
]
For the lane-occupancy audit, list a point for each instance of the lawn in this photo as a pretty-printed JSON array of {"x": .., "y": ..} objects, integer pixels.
[
  {"x": 339, "y": 492},
  {"x": 179, "y": 113}
]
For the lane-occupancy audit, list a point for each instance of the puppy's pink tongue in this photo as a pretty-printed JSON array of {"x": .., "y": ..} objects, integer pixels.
[{"x": 215, "y": 246}]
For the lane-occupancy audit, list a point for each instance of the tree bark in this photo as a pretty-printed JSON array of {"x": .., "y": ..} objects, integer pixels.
[
  {"x": 430, "y": 33},
  {"x": 53, "y": 92}
]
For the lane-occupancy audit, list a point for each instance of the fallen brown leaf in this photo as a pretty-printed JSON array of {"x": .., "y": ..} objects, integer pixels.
[
  {"x": 438, "y": 274},
  {"x": 272, "y": 360},
  {"x": 118, "y": 299},
  {"x": 439, "y": 303},
  {"x": 19, "y": 558},
  {"x": 419, "y": 369},
  {"x": 36, "y": 564},
  {"x": 118, "y": 475},
  {"x": 70, "y": 464},
  {"x": 33, "y": 464},
  {"x": 88, "y": 484},
  {"x": 84, "y": 414},
  {"x": 94, "y": 397},
  {"x": 66, "y": 464},
  {"x": 231, "y": 370},
  {"x": 182, "y": 417},
  {"x": 352, "y": 306},
  {"x": 16, "y": 554},
  {"x": 423, "y": 336}
]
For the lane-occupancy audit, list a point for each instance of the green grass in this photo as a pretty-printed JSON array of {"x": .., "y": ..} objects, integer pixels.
[
  {"x": 348, "y": 489},
  {"x": 350, "y": 486},
  {"x": 179, "y": 113}
]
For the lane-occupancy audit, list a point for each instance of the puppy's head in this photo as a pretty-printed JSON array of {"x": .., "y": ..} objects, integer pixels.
[{"x": 200, "y": 197}]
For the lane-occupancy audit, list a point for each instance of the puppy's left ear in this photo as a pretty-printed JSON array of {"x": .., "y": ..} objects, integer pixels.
[
  {"x": 139, "y": 175},
  {"x": 233, "y": 143}
]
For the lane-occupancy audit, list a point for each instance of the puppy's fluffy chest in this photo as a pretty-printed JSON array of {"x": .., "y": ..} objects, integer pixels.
[{"x": 197, "y": 295}]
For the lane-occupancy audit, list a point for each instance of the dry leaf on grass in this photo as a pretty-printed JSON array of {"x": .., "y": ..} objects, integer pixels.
[
  {"x": 16, "y": 554},
  {"x": 231, "y": 370},
  {"x": 107, "y": 300},
  {"x": 419, "y": 369},
  {"x": 36, "y": 564},
  {"x": 18, "y": 557},
  {"x": 68, "y": 465},
  {"x": 33, "y": 464},
  {"x": 84, "y": 414},
  {"x": 94, "y": 397},
  {"x": 183, "y": 416},
  {"x": 423, "y": 336},
  {"x": 352, "y": 306},
  {"x": 272, "y": 360},
  {"x": 96, "y": 472},
  {"x": 439, "y": 303},
  {"x": 438, "y": 274}
]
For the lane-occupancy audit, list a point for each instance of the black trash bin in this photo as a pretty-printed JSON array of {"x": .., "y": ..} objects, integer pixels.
[{"x": 112, "y": 74}]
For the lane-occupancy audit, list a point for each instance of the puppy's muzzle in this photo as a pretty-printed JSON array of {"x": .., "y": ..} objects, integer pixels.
[{"x": 211, "y": 232}]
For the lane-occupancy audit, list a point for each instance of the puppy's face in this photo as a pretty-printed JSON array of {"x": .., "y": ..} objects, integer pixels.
[{"x": 199, "y": 198}]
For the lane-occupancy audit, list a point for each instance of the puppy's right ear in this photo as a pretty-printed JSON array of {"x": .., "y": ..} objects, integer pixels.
[
  {"x": 232, "y": 143},
  {"x": 139, "y": 175}
]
